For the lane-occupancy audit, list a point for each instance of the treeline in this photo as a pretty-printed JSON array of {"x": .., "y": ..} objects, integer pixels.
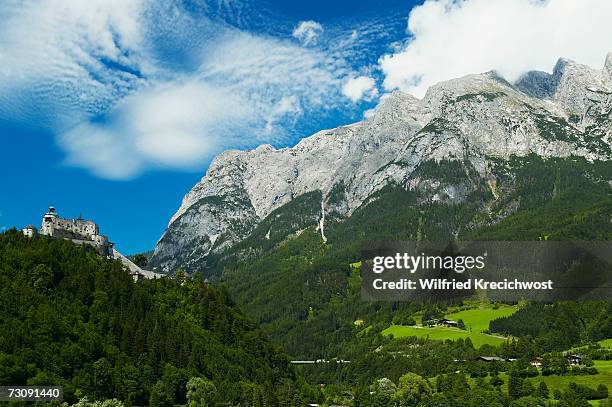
[
  {"x": 454, "y": 390},
  {"x": 558, "y": 326},
  {"x": 74, "y": 319}
]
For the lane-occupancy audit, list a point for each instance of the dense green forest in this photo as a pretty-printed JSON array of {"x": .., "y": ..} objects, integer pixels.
[
  {"x": 75, "y": 319},
  {"x": 560, "y": 325}
]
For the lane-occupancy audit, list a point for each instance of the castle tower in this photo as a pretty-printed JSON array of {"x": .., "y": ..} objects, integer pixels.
[{"x": 48, "y": 222}]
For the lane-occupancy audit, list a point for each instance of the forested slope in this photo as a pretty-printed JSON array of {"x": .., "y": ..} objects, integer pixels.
[
  {"x": 304, "y": 291},
  {"x": 75, "y": 319}
]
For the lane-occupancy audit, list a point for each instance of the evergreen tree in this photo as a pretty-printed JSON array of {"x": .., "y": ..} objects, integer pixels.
[
  {"x": 542, "y": 390},
  {"x": 201, "y": 392},
  {"x": 515, "y": 386}
]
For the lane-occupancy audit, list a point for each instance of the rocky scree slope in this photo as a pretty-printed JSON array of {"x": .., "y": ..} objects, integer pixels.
[{"x": 475, "y": 119}]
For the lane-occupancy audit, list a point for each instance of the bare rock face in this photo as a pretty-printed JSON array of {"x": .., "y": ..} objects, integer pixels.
[
  {"x": 608, "y": 64},
  {"x": 471, "y": 118},
  {"x": 537, "y": 84}
]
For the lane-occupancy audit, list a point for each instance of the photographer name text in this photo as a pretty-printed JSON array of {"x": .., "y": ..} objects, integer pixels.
[{"x": 469, "y": 284}]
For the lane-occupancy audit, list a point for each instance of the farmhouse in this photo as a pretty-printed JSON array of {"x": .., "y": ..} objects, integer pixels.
[
  {"x": 573, "y": 359},
  {"x": 448, "y": 322},
  {"x": 490, "y": 359},
  {"x": 536, "y": 362}
]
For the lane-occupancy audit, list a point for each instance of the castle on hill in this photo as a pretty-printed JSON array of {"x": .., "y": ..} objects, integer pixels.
[
  {"x": 80, "y": 231},
  {"x": 83, "y": 231}
]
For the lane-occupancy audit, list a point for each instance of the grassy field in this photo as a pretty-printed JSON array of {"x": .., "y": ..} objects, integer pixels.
[
  {"x": 442, "y": 333},
  {"x": 561, "y": 382},
  {"x": 606, "y": 343},
  {"x": 476, "y": 320}
]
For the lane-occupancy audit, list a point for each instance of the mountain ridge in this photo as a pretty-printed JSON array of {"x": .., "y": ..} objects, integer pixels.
[{"x": 471, "y": 118}]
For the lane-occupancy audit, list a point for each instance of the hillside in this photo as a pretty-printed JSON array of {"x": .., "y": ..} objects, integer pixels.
[
  {"x": 75, "y": 319},
  {"x": 301, "y": 287}
]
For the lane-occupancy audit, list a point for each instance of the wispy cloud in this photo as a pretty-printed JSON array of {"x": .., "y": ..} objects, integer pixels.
[
  {"x": 132, "y": 85},
  {"x": 450, "y": 38},
  {"x": 245, "y": 85},
  {"x": 307, "y": 32},
  {"x": 68, "y": 57}
]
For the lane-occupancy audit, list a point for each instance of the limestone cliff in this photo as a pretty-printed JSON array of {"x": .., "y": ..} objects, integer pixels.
[{"x": 474, "y": 118}]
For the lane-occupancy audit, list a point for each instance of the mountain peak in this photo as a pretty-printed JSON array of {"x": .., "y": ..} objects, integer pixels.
[
  {"x": 562, "y": 66},
  {"x": 567, "y": 82},
  {"x": 396, "y": 106},
  {"x": 564, "y": 61},
  {"x": 395, "y": 100}
]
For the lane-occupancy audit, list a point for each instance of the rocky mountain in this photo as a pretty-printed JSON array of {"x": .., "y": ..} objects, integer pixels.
[{"x": 477, "y": 119}]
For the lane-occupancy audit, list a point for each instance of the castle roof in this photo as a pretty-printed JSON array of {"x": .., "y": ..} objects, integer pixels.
[{"x": 30, "y": 227}]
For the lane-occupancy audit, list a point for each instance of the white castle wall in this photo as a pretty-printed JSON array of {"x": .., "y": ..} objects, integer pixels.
[{"x": 77, "y": 230}]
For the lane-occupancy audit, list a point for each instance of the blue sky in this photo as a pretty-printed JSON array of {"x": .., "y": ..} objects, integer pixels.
[{"x": 113, "y": 109}]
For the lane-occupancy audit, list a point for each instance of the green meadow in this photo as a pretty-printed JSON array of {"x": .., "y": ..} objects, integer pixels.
[
  {"x": 606, "y": 343},
  {"x": 560, "y": 383},
  {"x": 443, "y": 333},
  {"x": 476, "y": 321}
]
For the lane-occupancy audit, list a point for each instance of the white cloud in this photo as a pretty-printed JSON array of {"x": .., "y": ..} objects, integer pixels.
[
  {"x": 88, "y": 72},
  {"x": 176, "y": 122},
  {"x": 97, "y": 148},
  {"x": 175, "y": 125},
  {"x": 66, "y": 53},
  {"x": 359, "y": 87},
  {"x": 452, "y": 38},
  {"x": 245, "y": 90},
  {"x": 288, "y": 106},
  {"x": 307, "y": 32}
]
